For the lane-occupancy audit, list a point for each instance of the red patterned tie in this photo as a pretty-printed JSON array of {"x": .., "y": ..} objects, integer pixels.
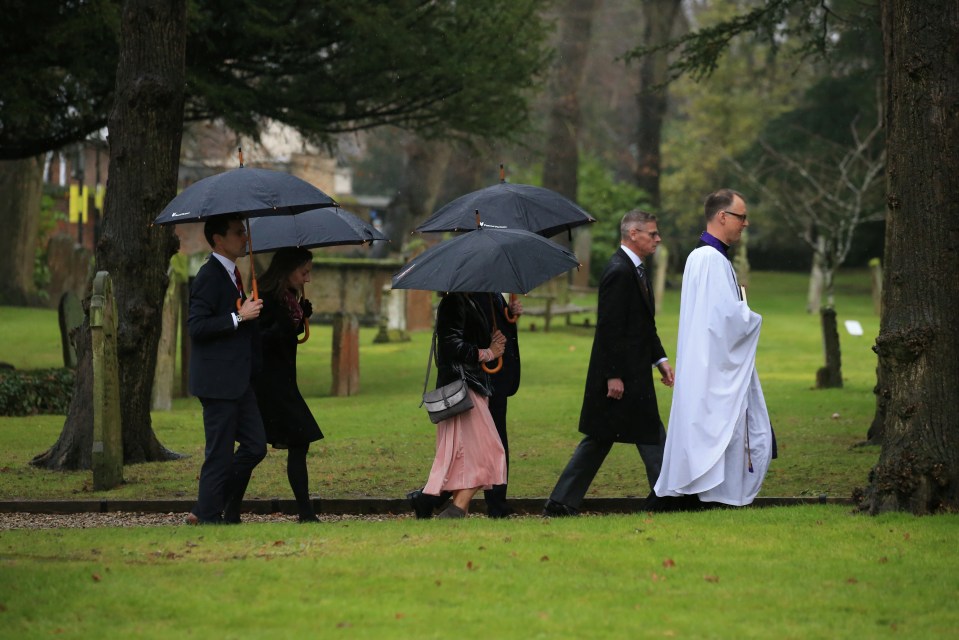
[{"x": 239, "y": 281}]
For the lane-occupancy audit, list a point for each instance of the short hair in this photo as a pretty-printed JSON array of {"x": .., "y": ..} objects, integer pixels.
[
  {"x": 636, "y": 216},
  {"x": 218, "y": 225},
  {"x": 719, "y": 200}
]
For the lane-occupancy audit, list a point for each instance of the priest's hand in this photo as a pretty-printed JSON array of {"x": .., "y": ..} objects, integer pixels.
[
  {"x": 668, "y": 376},
  {"x": 614, "y": 388}
]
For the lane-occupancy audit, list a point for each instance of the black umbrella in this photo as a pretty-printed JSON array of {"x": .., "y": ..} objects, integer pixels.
[
  {"x": 487, "y": 260},
  {"x": 310, "y": 229},
  {"x": 247, "y": 192},
  {"x": 509, "y": 206}
]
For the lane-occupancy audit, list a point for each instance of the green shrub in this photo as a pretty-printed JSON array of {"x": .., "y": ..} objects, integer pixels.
[{"x": 36, "y": 391}]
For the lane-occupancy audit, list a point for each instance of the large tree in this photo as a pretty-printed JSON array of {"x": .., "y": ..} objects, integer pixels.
[
  {"x": 918, "y": 343},
  {"x": 146, "y": 125},
  {"x": 459, "y": 68}
]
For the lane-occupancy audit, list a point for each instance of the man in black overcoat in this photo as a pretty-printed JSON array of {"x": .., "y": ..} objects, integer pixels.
[
  {"x": 225, "y": 353},
  {"x": 619, "y": 403}
]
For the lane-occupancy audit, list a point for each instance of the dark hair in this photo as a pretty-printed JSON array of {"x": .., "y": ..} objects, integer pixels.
[
  {"x": 218, "y": 225},
  {"x": 719, "y": 200},
  {"x": 285, "y": 261},
  {"x": 636, "y": 216}
]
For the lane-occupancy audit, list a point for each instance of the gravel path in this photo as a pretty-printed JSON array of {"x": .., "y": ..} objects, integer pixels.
[{"x": 132, "y": 519}]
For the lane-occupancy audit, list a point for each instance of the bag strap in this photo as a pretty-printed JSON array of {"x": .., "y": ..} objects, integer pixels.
[{"x": 429, "y": 364}]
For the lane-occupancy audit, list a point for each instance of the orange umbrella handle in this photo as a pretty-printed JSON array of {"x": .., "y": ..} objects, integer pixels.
[
  {"x": 509, "y": 317},
  {"x": 306, "y": 331},
  {"x": 249, "y": 246},
  {"x": 499, "y": 365}
]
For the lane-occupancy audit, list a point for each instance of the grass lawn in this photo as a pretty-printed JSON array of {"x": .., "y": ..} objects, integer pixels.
[
  {"x": 814, "y": 571},
  {"x": 379, "y": 443},
  {"x": 786, "y": 572}
]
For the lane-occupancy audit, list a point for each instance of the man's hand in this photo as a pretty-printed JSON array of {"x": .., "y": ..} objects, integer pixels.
[
  {"x": 668, "y": 376},
  {"x": 614, "y": 388},
  {"x": 250, "y": 309},
  {"x": 516, "y": 308}
]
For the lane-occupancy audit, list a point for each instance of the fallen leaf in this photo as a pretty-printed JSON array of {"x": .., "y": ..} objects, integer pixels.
[
  {"x": 482, "y": 548},
  {"x": 469, "y": 565},
  {"x": 711, "y": 578},
  {"x": 96, "y": 577},
  {"x": 883, "y": 560},
  {"x": 342, "y": 625},
  {"x": 439, "y": 583},
  {"x": 668, "y": 563},
  {"x": 279, "y": 543},
  {"x": 656, "y": 577},
  {"x": 544, "y": 559},
  {"x": 905, "y": 536},
  {"x": 400, "y": 616},
  {"x": 851, "y": 581}
]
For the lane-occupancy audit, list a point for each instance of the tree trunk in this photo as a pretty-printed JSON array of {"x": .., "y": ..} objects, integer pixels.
[
  {"x": 414, "y": 199},
  {"x": 659, "y": 16},
  {"x": 830, "y": 375},
  {"x": 21, "y": 185},
  {"x": 561, "y": 162},
  {"x": 918, "y": 343},
  {"x": 145, "y": 130}
]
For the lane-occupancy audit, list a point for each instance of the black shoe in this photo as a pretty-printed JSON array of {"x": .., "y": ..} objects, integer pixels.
[
  {"x": 308, "y": 518},
  {"x": 422, "y": 504},
  {"x": 556, "y": 510},
  {"x": 495, "y": 514},
  {"x": 451, "y": 512}
]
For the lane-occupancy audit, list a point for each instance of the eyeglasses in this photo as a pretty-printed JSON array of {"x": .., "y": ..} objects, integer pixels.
[
  {"x": 651, "y": 234},
  {"x": 741, "y": 216}
]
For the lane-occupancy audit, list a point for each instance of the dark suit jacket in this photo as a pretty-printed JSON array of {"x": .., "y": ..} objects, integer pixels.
[
  {"x": 222, "y": 359},
  {"x": 505, "y": 382},
  {"x": 626, "y": 346}
]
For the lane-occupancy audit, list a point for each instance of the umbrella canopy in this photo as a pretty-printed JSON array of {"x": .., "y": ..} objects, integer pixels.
[
  {"x": 310, "y": 229},
  {"x": 244, "y": 191},
  {"x": 487, "y": 259},
  {"x": 509, "y": 206}
]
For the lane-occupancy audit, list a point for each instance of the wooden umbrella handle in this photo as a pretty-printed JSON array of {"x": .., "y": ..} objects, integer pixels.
[
  {"x": 306, "y": 331},
  {"x": 510, "y": 318},
  {"x": 499, "y": 365}
]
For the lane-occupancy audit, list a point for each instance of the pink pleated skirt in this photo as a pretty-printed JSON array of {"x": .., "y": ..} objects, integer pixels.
[{"x": 468, "y": 451}]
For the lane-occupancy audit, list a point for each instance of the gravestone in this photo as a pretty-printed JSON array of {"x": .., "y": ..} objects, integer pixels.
[
  {"x": 107, "y": 435},
  {"x": 393, "y": 319},
  {"x": 70, "y": 316},
  {"x": 165, "y": 374},
  {"x": 346, "y": 354}
]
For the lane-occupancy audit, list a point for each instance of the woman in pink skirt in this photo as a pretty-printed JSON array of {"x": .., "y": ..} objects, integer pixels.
[{"x": 469, "y": 454}]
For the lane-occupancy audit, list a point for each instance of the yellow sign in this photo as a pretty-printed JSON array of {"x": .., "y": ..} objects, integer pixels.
[{"x": 79, "y": 203}]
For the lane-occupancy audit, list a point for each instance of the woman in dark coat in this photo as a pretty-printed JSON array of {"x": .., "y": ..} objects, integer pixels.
[
  {"x": 469, "y": 454},
  {"x": 288, "y": 422}
]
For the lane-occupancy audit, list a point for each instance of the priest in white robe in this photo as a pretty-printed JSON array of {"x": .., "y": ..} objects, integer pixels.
[{"x": 719, "y": 440}]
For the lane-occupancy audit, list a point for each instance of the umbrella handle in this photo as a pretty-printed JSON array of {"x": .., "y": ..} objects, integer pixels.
[
  {"x": 249, "y": 246},
  {"x": 306, "y": 331},
  {"x": 499, "y": 365},
  {"x": 509, "y": 317}
]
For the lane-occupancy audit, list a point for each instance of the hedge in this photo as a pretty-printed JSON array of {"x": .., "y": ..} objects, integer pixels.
[{"x": 35, "y": 391}]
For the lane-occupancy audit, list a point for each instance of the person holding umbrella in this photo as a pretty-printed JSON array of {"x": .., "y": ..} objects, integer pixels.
[
  {"x": 226, "y": 354},
  {"x": 469, "y": 454},
  {"x": 287, "y": 419}
]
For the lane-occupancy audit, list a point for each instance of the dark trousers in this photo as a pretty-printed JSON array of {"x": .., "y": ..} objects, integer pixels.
[
  {"x": 225, "y": 473},
  {"x": 496, "y": 496},
  {"x": 574, "y": 482}
]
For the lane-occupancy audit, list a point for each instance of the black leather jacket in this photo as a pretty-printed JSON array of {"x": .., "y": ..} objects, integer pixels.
[{"x": 461, "y": 331}]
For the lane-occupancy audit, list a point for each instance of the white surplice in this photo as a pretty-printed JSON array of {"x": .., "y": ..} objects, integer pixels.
[{"x": 717, "y": 397}]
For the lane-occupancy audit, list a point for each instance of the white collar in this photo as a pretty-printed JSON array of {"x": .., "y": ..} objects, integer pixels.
[{"x": 632, "y": 256}]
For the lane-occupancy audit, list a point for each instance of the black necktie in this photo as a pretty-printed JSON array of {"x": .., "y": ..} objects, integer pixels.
[{"x": 641, "y": 270}]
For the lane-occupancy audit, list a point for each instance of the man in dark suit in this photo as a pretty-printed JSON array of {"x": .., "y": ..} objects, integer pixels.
[
  {"x": 619, "y": 403},
  {"x": 225, "y": 355},
  {"x": 505, "y": 383}
]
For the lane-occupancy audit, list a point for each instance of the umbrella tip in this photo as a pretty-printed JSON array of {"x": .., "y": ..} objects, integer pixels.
[
  {"x": 502, "y": 173},
  {"x": 478, "y": 223},
  {"x": 239, "y": 151}
]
